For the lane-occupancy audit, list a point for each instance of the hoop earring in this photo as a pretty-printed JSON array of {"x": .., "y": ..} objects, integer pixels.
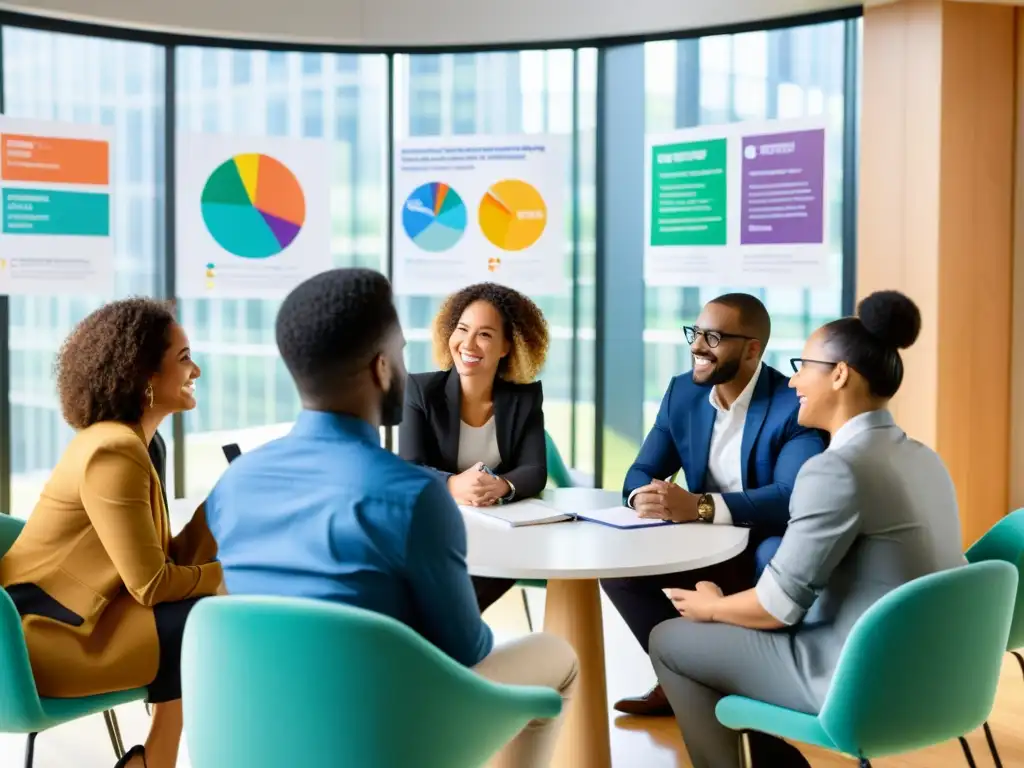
[{"x": 149, "y": 394}]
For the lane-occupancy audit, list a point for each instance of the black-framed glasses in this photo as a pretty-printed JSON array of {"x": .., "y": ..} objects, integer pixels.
[
  {"x": 799, "y": 362},
  {"x": 713, "y": 338}
]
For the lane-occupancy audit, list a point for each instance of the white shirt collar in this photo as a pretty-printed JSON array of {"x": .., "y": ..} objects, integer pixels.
[
  {"x": 743, "y": 401},
  {"x": 862, "y": 422}
]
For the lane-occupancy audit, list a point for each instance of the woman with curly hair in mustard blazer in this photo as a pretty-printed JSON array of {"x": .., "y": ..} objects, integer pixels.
[
  {"x": 479, "y": 422},
  {"x": 102, "y": 587}
]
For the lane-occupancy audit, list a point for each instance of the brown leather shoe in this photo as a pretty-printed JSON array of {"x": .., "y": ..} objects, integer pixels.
[{"x": 654, "y": 703}]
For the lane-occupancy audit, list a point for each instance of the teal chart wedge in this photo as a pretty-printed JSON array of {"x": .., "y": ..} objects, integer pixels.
[{"x": 434, "y": 217}]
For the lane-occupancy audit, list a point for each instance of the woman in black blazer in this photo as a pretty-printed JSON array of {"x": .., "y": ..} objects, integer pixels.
[{"x": 479, "y": 421}]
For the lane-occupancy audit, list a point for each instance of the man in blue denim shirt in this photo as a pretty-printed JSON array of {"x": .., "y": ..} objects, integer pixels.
[{"x": 327, "y": 513}]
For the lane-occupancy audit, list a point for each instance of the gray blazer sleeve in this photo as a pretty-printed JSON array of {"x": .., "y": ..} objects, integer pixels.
[{"x": 824, "y": 521}]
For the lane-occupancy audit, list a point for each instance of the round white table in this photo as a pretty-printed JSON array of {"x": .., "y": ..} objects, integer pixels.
[{"x": 572, "y": 556}]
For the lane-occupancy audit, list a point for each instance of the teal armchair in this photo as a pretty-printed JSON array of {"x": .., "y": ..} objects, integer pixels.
[
  {"x": 558, "y": 471},
  {"x": 1005, "y": 541},
  {"x": 921, "y": 666},
  {"x": 560, "y": 477},
  {"x": 270, "y": 682},
  {"x": 22, "y": 710}
]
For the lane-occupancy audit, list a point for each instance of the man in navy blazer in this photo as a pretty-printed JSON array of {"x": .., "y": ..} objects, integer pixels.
[{"x": 731, "y": 426}]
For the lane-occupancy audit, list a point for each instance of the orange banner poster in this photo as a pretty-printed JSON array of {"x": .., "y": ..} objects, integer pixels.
[{"x": 54, "y": 160}]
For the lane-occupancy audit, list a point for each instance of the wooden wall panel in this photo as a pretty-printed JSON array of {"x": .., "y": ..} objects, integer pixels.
[
  {"x": 1017, "y": 354},
  {"x": 936, "y": 221}
]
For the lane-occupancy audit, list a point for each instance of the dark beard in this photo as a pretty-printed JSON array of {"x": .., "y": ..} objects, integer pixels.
[
  {"x": 391, "y": 406},
  {"x": 723, "y": 373}
]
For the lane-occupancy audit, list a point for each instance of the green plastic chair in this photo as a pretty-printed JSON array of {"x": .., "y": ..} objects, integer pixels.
[
  {"x": 558, "y": 472},
  {"x": 22, "y": 710},
  {"x": 560, "y": 477},
  {"x": 271, "y": 681},
  {"x": 921, "y": 666},
  {"x": 1005, "y": 541}
]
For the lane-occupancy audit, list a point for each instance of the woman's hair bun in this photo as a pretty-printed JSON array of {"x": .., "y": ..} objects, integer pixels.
[{"x": 891, "y": 317}]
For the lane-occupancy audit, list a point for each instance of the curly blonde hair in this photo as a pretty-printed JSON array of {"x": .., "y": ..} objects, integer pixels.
[{"x": 525, "y": 328}]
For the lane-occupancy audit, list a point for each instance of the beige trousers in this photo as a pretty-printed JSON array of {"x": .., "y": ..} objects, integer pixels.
[{"x": 536, "y": 659}]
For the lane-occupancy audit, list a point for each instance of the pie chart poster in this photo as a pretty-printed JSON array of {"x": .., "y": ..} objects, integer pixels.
[
  {"x": 480, "y": 208},
  {"x": 253, "y": 215}
]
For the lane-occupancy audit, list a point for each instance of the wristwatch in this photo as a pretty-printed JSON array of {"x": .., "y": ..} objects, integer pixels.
[
  {"x": 511, "y": 492},
  {"x": 706, "y": 508}
]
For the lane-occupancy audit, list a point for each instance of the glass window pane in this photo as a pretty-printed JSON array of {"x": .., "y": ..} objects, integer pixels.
[
  {"x": 71, "y": 78},
  {"x": 495, "y": 94},
  {"x": 781, "y": 74},
  {"x": 245, "y": 395}
]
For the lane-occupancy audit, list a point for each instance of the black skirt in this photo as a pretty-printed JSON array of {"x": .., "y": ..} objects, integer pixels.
[{"x": 170, "y": 629}]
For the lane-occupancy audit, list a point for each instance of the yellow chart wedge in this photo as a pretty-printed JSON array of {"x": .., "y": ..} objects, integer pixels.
[
  {"x": 249, "y": 169},
  {"x": 513, "y": 215}
]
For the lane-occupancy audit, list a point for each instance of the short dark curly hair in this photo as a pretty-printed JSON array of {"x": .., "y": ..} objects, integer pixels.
[
  {"x": 525, "y": 327},
  {"x": 329, "y": 324},
  {"x": 106, "y": 363}
]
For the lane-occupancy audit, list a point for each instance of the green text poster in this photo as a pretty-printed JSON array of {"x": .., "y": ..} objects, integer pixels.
[{"x": 689, "y": 193}]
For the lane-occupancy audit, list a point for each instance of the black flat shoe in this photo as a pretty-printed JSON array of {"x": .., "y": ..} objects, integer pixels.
[
  {"x": 772, "y": 752},
  {"x": 137, "y": 751}
]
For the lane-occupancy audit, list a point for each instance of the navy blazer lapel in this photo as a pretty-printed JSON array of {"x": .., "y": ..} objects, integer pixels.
[
  {"x": 504, "y": 417},
  {"x": 453, "y": 400},
  {"x": 702, "y": 423},
  {"x": 757, "y": 411}
]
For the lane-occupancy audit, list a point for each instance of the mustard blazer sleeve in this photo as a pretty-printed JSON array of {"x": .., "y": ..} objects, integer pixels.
[{"x": 115, "y": 493}]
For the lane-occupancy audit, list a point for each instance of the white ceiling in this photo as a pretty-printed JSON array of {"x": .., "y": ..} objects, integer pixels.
[{"x": 413, "y": 23}]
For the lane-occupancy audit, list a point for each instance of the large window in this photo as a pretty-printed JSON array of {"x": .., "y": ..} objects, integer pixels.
[
  {"x": 76, "y": 79},
  {"x": 245, "y": 394},
  {"x": 524, "y": 92}
]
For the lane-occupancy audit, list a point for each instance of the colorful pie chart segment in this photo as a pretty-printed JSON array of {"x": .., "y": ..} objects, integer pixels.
[
  {"x": 513, "y": 215},
  {"x": 253, "y": 206},
  {"x": 434, "y": 217}
]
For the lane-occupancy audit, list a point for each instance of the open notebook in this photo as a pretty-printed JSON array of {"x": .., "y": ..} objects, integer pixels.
[
  {"x": 536, "y": 512},
  {"x": 525, "y": 512}
]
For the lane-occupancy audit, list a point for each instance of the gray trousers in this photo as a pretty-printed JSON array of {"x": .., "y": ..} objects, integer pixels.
[{"x": 699, "y": 664}]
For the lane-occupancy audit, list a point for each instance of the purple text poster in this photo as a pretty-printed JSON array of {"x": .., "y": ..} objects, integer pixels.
[{"x": 783, "y": 188}]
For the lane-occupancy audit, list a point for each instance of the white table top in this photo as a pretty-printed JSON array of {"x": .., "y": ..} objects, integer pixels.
[
  {"x": 576, "y": 550},
  {"x": 582, "y": 550}
]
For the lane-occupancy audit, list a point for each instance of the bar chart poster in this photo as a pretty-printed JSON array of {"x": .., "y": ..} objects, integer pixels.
[
  {"x": 472, "y": 209},
  {"x": 55, "y": 184},
  {"x": 742, "y": 205},
  {"x": 252, "y": 215}
]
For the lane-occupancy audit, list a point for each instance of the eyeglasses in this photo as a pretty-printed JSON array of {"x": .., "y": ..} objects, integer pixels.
[
  {"x": 713, "y": 338},
  {"x": 799, "y": 362}
]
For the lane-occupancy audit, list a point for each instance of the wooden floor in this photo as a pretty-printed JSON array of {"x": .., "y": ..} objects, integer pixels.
[{"x": 636, "y": 742}]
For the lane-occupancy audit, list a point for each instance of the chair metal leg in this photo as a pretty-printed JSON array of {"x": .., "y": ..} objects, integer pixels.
[
  {"x": 746, "y": 758},
  {"x": 30, "y": 750},
  {"x": 967, "y": 752},
  {"x": 1020, "y": 660},
  {"x": 114, "y": 732},
  {"x": 992, "y": 746},
  {"x": 526, "y": 607}
]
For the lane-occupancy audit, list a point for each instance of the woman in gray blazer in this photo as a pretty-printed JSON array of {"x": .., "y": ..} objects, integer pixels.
[{"x": 874, "y": 511}]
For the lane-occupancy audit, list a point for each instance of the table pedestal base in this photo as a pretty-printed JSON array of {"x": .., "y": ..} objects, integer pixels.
[{"x": 573, "y": 612}]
